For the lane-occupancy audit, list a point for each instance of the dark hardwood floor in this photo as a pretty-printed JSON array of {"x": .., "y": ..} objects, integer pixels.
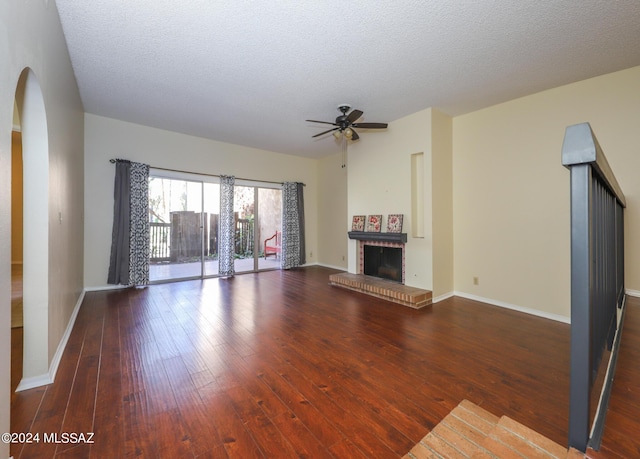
[{"x": 280, "y": 364}]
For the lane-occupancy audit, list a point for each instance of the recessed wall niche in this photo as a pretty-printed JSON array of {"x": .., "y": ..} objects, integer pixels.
[{"x": 417, "y": 195}]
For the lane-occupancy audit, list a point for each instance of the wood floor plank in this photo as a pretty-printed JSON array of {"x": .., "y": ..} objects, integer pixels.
[
  {"x": 138, "y": 429},
  {"x": 80, "y": 413},
  {"x": 217, "y": 452},
  {"x": 81, "y": 451},
  {"x": 346, "y": 450},
  {"x": 17, "y": 336},
  {"x": 169, "y": 435},
  {"x": 237, "y": 441},
  {"x": 280, "y": 363},
  {"x": 137, "y": 409},
  {"x": 261, "y": 394},
  {"x": 322, "y": 375},
  {"x": 350, "y": 402},
  {"x": 266, "y": 435},
  {"x": 197, "y": 420},
  {"x": 312, "y": 417},
  {"x": 376, "y": 423},
  {"x": 108, "y": 411},
  {"x": 362, "y": 434},
  {"x": 51, "y": 412},
  {"x": 305, "y": 444},
  {"x": 24, "y": 408}
]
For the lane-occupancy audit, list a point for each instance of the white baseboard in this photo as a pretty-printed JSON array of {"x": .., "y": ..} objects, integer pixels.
[
  {"x": 55, "y": 362},
  {"x": 100, "y": 288},
  {"x": 443, "y": 297},
  {"x": 49, "y": 378},
  {"x": 634, "y": 293},
  {"x": 324, "y": 265},
  {"x": 502, "y": 304},
  {"x": 34, "y": 381}
]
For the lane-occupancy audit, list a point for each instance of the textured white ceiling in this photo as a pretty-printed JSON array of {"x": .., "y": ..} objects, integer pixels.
[{"x": 250, "y": 72}]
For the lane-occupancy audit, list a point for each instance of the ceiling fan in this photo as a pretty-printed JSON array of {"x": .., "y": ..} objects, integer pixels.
[{"x": 345, "y": 124}]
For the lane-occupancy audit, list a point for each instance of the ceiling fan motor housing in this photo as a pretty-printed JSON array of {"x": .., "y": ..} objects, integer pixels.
[{"x": 342, "y": 119}]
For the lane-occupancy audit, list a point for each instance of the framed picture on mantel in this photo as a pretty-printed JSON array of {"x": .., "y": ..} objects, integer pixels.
[
  {"x": 358, "y": 223},
  {"x": 394, "y": 223},
  {"x": 374, "y": 223}
]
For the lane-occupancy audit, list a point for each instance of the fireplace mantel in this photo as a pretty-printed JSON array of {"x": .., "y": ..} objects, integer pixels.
[{"x": 384, "y": 237}]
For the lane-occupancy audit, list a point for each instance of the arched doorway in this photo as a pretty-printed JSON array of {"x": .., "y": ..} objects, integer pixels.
[{"x": 35, "y": 253}]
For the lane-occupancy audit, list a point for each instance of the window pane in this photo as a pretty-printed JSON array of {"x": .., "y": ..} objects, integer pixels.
[
  {"x": 212, "y": 212},
  {"x": 243, "y": 206},
  {"x": 270, "y": 224}
]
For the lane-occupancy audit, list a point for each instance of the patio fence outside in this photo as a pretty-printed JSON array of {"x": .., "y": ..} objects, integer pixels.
[{"x": 180, "y": 240}]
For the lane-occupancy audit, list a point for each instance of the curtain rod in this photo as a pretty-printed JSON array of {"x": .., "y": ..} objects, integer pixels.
[{"x": 112, "y": 161}]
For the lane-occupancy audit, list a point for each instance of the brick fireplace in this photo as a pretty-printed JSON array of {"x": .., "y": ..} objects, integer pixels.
[{"x": 381, "y": 270}]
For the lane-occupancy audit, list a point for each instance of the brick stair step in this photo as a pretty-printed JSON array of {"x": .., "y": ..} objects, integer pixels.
[
  {"x": 470, "y": 431},
  {"x": 509, "y": 428},
  {"x": 458, "y": 435}
]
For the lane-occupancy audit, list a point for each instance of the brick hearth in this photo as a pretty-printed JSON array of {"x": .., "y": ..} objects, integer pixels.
[{"x": 391, "y": 291}]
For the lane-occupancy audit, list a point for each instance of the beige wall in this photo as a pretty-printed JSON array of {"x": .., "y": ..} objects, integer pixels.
[
  {"x": 497, "y": 196},
  {"x": 379, "y": 182},
  {"x": 32, "y": 37},
  {"x": 106, "y": 138},
  {"x": 442, "y": 203},
  {"x": 511, "y": 193},
  {"x": 332, "y": 212}
]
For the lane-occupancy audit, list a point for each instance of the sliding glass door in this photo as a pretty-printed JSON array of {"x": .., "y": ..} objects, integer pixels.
[
  {"x": 175, "y": 229},
  {"x": 269, "y": 228},
  {"x": 184, "y": 219},
  {"x": 258, "y": 216}
]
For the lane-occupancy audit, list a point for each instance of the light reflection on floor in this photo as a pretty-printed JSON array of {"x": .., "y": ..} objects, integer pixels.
[{"x": 166, "y": 271}]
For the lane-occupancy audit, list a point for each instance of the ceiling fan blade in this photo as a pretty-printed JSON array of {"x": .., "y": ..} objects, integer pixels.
[
  {"x": 330, "y": 130},
  {"x": 323, "y": 122},
  {"x": 370, "y": 125},
  {"x": 354, "y": 115},
  {"x": 354, "y": 135}
]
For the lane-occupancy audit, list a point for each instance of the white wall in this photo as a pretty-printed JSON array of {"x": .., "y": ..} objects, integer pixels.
[
  {"x": 32, "y": 37},
  {"x": 511, "y": 192},
  {"x": 107, "y": 138}
]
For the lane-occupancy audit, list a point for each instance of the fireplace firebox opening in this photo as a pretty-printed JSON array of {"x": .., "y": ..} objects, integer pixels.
[{"x": 383, "y": 262}]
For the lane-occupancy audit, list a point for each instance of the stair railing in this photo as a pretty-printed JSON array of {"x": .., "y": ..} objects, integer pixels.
[{"x": 597, "y": 280}]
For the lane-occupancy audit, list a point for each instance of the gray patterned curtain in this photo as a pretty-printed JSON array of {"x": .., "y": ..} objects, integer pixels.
[
  {"x": 129, "y": 261},
  {"x": 293, "y": 240},
  {"x": 226, "y": 231}
]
